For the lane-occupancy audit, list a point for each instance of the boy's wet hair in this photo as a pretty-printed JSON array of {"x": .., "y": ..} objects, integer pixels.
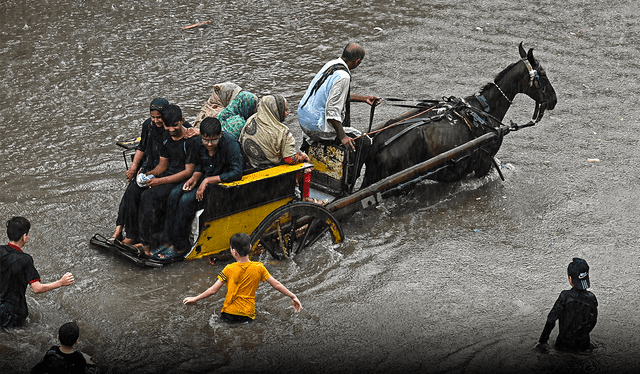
[
  {"x": 69, "y": 334},
  {"x": 241, "y": 243},
  {"x": 16, "y": 227},
  {"x": 210, "y": 126},
  {"x": 171, "y": 114}
]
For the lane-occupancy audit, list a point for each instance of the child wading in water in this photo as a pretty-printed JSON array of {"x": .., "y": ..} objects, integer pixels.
[
  {"x": 577, "y": 310},
  {"x": 63, "y": 358},
  {"x": 242, "y": 278}
]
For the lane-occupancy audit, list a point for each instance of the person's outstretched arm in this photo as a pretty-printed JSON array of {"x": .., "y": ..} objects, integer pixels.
[
  {"x": 66, "y": 280},
  {"x": 210, "y": 291},
  {"x": 278, "y": 286}
]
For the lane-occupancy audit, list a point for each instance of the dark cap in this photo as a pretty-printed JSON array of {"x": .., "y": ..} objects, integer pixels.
[
  {"x": 158, "y": 104},
  {"x": 578, "y": 270}
]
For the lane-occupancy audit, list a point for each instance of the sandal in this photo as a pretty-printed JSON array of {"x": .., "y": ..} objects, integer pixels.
[
  {"x": 116, "y": 238},
  {"x": 159, "y": 250},
  {"x": 168, "y": 254},
  {"x": 139, "y": 248}
]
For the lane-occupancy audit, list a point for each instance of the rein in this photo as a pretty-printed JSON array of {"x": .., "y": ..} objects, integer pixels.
[
  {"x": 533, "y": 77},
  {"x": 394, "y": 124}
]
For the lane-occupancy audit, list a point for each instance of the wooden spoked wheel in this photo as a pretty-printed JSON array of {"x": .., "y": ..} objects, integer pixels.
[{"x": 291, "y": 228}]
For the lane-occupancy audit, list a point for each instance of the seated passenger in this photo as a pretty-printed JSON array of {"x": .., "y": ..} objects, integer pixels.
[
  {"x": 221, "y": 96},
  {"x": 233, "y": 107},
  {"x": 219, "y": 159},
  {"x": 177, "y": 164},
  {"x": 145, "y": 159},
  {"x": 267, "y": 141},
  {"x": 235, "y": 115}
]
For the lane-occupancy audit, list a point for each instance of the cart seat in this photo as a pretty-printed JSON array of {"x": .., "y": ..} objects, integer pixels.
[{"x": 253, "y": 190}]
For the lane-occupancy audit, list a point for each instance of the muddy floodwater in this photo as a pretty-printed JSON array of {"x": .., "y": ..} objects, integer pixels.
[{"x": 447, "y": 278}]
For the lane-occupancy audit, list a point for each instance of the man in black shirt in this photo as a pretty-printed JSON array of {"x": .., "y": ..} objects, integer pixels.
[
  {"x": 577, "y": 310},
  {"x": 16, "y": 272},
  {"x": 219, "y": 160},
  {"x": 177, "y": 164}
]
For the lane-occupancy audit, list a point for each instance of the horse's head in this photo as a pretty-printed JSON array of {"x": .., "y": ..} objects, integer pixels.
[{"x": 536, "y": 84}]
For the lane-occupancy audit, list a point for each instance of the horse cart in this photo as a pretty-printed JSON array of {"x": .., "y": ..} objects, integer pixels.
[{"x": 265, "y": 204}]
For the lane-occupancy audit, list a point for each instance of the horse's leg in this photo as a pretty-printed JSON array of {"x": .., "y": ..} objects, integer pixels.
[{"x": 483, "y": 165}]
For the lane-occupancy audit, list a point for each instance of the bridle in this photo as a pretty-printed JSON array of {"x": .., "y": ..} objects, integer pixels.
[{"x": 534, "y": 77}]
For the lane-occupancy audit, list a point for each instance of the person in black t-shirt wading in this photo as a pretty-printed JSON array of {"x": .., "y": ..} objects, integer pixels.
[
  {"x": 63, "y": 359},
  {"x": 16, "y": 272},
  {"x": 577, "y": 310}
]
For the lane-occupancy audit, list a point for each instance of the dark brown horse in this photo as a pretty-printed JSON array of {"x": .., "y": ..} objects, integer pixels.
[{"x": 436, "y": 127}]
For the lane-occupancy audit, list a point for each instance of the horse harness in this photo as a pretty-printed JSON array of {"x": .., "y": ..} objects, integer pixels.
[
  {"x": 460, "y": 105},
  {"x": 534, "y": 77},
  {"x": 451, "y": 105}
]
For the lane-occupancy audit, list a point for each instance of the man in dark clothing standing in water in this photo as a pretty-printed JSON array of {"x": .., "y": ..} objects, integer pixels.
[
  {"x": 577, "y": 310},
  {"x": 16, "y": 272}
]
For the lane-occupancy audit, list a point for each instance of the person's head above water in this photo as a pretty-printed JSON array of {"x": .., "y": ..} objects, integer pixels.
[{"x": 578, "y": 271}]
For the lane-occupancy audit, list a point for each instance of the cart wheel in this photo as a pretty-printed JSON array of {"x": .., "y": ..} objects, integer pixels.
[{"x": 292, "y": 227}]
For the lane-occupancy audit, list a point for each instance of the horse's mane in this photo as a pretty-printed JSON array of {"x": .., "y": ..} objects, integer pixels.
[{"x": 499, "y": 76}]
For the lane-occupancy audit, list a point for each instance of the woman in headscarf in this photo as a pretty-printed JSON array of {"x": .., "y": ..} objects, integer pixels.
[
  {"x": 231, "y": 106},
  {"x": 221, "y": 96},
  {"x": 267, "y": 141}
]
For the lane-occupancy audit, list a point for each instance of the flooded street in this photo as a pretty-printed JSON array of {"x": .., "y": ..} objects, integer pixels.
[{"x": 448, "y": 278}]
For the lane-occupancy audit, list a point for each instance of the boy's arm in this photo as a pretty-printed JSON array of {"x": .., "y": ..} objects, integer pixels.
[
  {"x": 66, "y": 280},
  {"x": 162, "y": 166},
  {"x": 174, "y": 178},
  {"x": 297, "y": 306},
  {"x": 554, "y": 314},
  {"x": 210, "y": 291},
  {"x": 192, "y": 182}
]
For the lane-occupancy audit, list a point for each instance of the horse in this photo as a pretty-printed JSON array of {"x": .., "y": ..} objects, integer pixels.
[{"x": 432, "y": 128}]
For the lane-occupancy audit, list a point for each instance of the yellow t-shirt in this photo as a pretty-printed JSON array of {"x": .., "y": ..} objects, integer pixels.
[{"x": 242, "y": 279}]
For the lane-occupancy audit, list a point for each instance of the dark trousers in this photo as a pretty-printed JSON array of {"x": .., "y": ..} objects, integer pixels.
[
  {"x": 153, "y": 203},
  {"x": 233, "y": 318},
  {"x": 580, "y": 344},
  {"x": 7, "y": 318},
  {"x": 181, "y": 208},
  {"x": 128, "y": 210}
]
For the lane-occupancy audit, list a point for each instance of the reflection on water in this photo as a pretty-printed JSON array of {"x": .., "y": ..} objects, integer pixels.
[{"x": 447, "y": 278}]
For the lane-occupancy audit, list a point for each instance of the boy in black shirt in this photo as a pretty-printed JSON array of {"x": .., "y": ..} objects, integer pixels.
[
  {"x": 16, "y": 272},
  {"x": 577, "y": 310},
  {"x": 63, "y": 359}
]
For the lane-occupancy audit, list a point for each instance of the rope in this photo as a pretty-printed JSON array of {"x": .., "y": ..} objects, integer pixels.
[{"x": 395, "y": 123}]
